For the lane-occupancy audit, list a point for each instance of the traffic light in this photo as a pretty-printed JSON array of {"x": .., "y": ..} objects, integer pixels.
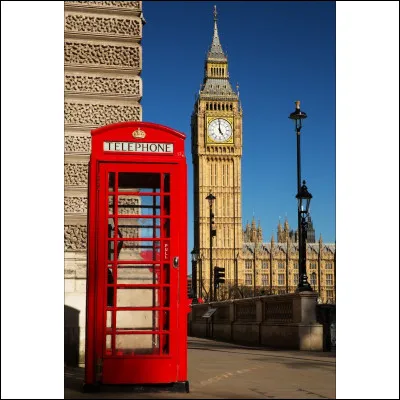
[
  {"x": 213, "y": 230},
  {"x": 219, "y": 276}
]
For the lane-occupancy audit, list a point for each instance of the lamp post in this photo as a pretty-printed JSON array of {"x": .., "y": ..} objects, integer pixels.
[
  {"x": 211, "y": 199},
  {"x": 194, "y": 276},
  {"x": 303, "y": 200}
]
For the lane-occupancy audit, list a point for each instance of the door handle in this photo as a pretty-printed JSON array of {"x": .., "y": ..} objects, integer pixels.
[{"x": 176, "y": 262}]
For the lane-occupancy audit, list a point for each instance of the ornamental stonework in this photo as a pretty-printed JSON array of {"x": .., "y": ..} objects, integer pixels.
[
  {"x": 75, "y": 204},
  {"x": 75, "y": 237},
  {"x": 101, "y": 25},
  {"x": 102, "y": 85},
  {"x": 76, "y": 174},
  {"x": 77, "y": 144},
  {"x": 115, "y": 4},
  {"x": 126, "y": 205},
  {"x": 99, "y": 114},
  {"x": 101, "y": 55},
  {"x": 129, "y": 232}
]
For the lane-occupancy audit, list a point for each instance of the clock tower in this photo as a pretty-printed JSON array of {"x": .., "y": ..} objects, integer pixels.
[{"x": 216, "y": 127}]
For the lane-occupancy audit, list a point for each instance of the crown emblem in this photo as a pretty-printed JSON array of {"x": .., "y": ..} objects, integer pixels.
[{"x": 139, "y": 134}]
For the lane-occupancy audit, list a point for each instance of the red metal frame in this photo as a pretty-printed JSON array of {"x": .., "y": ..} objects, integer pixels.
[{"x": 115, "y": 366}]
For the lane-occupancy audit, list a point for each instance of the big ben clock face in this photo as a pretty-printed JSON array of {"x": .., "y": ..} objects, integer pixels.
[{"x": 220, "y": 131}]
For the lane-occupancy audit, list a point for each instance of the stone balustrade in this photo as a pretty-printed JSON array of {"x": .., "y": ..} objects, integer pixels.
[{"x": 282, "y": 321}]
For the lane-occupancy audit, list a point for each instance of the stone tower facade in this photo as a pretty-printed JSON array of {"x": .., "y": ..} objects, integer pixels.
[
  {"x": 102, "y": 85},
  {"x": 216, "y": 128},
  {"x": 252, "y": 266}
]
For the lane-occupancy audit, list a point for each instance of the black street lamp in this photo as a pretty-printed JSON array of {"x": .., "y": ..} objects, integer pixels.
[
  {"x": 304, "y": 202},
  {"x": 304, "y": 198},
  {"x": 194, "y": 276},
  {"x": 211, "y": 199}
]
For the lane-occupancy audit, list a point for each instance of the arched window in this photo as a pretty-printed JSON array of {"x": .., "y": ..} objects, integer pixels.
[{"x": 313, "y": 279}]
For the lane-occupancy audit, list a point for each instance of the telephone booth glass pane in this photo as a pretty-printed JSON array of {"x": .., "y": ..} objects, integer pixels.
[{"x": 137, "y": 315}]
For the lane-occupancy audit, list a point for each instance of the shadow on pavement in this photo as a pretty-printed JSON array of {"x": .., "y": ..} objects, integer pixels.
[{"x": 226, "y": 347}]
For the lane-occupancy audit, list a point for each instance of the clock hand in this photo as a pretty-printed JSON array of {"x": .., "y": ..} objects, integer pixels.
[{"x": 219, "y": 126}]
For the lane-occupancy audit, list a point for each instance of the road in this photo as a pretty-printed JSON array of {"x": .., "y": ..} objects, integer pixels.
[{"x": 219, "y": 370}]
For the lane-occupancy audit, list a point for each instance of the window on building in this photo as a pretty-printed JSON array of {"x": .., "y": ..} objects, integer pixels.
[
  {"x": 313, "y": 265},
  {"x": 249, "y": 264},
  {"x": 295, "y": 265},
  {"x": 264, "y": 280},
  {"x": 328, "y": 265},
  {"x": 329, "y": 279},
  {"x": 329, "y": 296},
  {"x": 313, "y": 279},
  {"x": 281, "y": 279},
  {"x": 248, "y": 279},
  {"x": 281, "y": 291},
  {"x": 264, "y": 264},
  {"x": 281, "y": 265},
  {"x": 296, "y": 279}
]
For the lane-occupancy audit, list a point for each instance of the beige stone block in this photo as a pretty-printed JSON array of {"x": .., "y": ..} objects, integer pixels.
[
  {"x": 69, "y": 272},
  {"x": 102, "y": 25},
  {"x": 311, "y": 337},
  {"x": 80, "y": 286},
  {"x": 81, "y": 271},
  {"x": 124, "y": 56},
  {"x": 105, "y": 83},
  {"x": 69, "y": 285},
  {"x": 96, "y": 113}
]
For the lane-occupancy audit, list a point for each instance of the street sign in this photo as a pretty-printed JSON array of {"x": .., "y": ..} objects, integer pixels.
[{"x": 209, "y": 312}]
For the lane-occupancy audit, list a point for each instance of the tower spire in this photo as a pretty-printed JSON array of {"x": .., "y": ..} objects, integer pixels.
[{"x": 216, "y": 52}]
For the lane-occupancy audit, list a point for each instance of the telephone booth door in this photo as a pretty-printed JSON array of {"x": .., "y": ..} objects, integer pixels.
[{"x": 135, "y": 324}]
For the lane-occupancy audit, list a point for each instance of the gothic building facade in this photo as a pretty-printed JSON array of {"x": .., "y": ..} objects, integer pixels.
[
  {"x": 251, "y": 266},
  {"x": 102, "y": 85}
]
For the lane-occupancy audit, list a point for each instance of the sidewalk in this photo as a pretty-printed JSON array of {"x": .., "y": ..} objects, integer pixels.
[{"x": 222, "y": 370}]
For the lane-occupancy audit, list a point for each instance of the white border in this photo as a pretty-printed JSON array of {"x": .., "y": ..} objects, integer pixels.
[
  {"x": 32, "y": 217},
  {"x": 367, "y": 131}
]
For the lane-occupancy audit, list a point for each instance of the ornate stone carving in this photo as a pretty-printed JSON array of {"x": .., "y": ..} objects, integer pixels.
[
  {"x": 75, "y": 204},
  {"x": 76, "y": 174},
  {"x": 90, "y": 24},
  {"x": 129, "y": 232},
  {"x": 77, "y": 144},
  {"x": 75, "y": 237},
  {"x": 116, "y": 4},
  {"x": 125, "y": 205},
  {"x": 99, "y": 114},
  {"x": 101, "y": 54},
  {"x": 101, "y": 84}
]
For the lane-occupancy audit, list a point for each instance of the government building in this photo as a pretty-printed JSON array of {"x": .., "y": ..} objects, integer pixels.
[{"x": 252, "y": 267}]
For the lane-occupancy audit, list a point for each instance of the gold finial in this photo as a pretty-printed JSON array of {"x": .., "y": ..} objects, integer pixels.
[
  {"x": 215, "y": 13},
  {"x": 297, "y": 104}
]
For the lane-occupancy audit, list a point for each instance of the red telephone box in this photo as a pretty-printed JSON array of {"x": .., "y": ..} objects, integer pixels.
[{"x": 136, "y": 321}]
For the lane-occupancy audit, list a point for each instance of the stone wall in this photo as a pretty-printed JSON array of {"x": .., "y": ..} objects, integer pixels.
[
  {"x": 102, "y": 85},
  {"x": 282, "y": 321}
]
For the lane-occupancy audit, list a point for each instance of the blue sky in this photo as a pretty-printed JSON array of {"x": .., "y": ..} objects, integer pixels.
[{"x": 278, "y": 52}]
